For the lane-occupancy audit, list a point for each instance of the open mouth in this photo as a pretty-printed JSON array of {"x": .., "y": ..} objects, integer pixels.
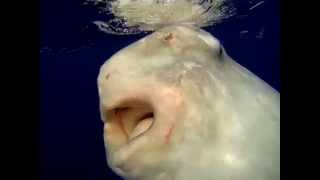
[{"x": 130, "y": 119}]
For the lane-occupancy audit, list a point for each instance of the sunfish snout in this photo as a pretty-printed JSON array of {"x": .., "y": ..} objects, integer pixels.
[{"x": 139, "y": 119}]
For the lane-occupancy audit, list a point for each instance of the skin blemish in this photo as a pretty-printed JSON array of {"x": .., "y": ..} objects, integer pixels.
[
  {"x": 107, "y": 76},
  {"x": 169, "y": 38},
  {"x": 168, "y": 134}
]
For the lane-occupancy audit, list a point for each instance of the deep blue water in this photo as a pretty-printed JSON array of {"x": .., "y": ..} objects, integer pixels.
[{"x": 72, "y": 50}]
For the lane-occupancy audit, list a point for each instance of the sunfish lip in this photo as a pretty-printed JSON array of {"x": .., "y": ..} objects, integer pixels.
[
  {"x": 143, "y": 126},
  {"x": 125, "y": 158}
]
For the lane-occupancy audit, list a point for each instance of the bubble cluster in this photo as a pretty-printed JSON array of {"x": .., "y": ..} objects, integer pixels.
[{"x": 136, "y": 16}]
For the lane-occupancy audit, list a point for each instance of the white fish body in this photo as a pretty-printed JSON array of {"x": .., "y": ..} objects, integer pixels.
[{"x": 177, "y": 107}]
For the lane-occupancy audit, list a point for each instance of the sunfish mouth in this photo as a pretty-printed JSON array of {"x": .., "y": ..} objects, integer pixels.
[
  {"x": 136, "y": 125},
  {"x": 130, "y": 119}
]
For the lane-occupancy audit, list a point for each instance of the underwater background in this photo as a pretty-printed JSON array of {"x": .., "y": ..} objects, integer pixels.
[{"x": 72, "y": 49}]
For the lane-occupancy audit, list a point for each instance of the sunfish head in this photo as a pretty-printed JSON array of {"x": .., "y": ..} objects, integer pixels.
[{"x": 176, "y": 106}]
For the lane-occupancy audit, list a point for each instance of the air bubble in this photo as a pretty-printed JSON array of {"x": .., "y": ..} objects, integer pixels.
[{"x": 137, "y": 16}]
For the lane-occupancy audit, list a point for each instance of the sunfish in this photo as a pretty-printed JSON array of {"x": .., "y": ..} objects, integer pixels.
[{"x": 175, "y": 106}]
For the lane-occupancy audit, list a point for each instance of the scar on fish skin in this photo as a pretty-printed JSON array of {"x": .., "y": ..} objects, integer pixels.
[
  {"x": 168, "y": 134},
  {"x": 107, "y": 76},
  {"x": 169, "y": 38}
]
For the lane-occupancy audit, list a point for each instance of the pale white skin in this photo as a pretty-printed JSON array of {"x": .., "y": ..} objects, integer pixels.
[{"x": 175, "y": 108}]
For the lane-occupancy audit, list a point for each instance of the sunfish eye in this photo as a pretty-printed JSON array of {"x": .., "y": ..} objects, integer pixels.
[{"x": 220, "y": 51}]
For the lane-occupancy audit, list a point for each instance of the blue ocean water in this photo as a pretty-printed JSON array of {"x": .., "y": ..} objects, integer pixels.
[{"x": 72, "y": 51}]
